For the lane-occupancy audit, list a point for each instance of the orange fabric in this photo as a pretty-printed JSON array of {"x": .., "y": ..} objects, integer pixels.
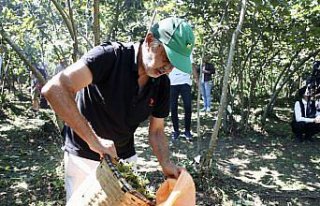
[{"x": 180, "y": 192}]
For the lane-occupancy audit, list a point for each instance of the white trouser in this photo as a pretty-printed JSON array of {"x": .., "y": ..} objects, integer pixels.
[{"x": 77, "y": 169}]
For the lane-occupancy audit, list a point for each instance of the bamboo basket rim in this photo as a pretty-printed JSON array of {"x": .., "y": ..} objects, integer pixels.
[{"x": 115, "y": 185}]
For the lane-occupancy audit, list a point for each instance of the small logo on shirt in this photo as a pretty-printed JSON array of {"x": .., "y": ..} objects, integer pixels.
[{"x": 151, "y": 102}]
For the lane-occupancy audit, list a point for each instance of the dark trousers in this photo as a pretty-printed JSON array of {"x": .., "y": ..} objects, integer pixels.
[
  {"x": 303, "y": 128},
  {"x": 185, "y": 91}
]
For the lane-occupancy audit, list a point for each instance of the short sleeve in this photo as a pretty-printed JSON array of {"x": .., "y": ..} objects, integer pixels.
[
  {"x": 211, "y": 68},
  {"x": 100, "y": 60}
]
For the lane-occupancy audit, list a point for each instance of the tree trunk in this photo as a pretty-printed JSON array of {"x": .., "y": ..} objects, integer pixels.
[
  {"x": 223, "y": 101},
  {"x": 251, "y": 96},
  {"x": 112, "y": 32},
  {"x": 2, "y": 62},
  {"x": 215, "y": 31},
  {"x": 70, "y": 26},
  {"x": 286, "y": 69},
  {"x": 198, "y": 101},
  {"x": 96, "y": 23},
  {"x": 65, "y": 18},
  {"x": 245, "y": 110},
  {"x": 75, "y": 35},
  {"x": 4, "y": 79}
]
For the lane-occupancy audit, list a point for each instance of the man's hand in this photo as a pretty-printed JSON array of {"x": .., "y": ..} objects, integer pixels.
[
  {"x": 171, "y": 170},
  {"x": 103, "y": 147},
  {"x": 205, "y": 71},
  {"x": 317, "y": 120}
]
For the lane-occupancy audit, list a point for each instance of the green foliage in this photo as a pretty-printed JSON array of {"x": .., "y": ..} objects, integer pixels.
[
  {"x": 273, "y": 32},
  {"x": 31, "y": 157},
  {"x": 136, "y": 180}
]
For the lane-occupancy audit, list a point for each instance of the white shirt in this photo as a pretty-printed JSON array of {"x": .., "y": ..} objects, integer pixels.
[
  {"x": 297, "y": 112},
  {"x": 178, "y": 77}
]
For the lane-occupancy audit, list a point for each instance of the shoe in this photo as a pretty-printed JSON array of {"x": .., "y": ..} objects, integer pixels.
[
  {"x": 208, "y": 109},
  {"x": 188, "y": 135},
  {"x": 175, "y": 135},
  {"x": 203, "y": 109}
]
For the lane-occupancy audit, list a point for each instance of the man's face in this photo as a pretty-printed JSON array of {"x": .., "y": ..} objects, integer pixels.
[{"x": 155, "y": 60}]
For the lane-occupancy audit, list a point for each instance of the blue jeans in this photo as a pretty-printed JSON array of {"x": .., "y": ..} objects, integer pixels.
[
  {"x": 206, "y": 93},
  {"x": 185, "y": 91}
]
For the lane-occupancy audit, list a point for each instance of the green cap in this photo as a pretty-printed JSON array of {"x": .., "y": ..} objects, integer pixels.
[{"x": 178, "y": 40}]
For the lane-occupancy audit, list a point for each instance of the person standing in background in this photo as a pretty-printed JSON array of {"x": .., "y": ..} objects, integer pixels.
[
  {"x": 37, "y": 99},
  {"x": 206, "y": 85},
  {"x": 180, "y": 84}
]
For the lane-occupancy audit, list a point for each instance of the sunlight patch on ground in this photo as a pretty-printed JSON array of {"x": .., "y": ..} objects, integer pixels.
[
  {"x": 237, "y": 118},
  {"x": 179, "y": 155},
  {"x": 20, "y": 185},
  {"x": 144, "y": 145},
  {"x": 256, "y": 176},
  {"x": 4, "y": 137},
  {"x": 60, "y": 169},
  {"x": 272, "y": 179},
  {"x": 270, "y": 156},
  {"x": 142, "y": 132},
  {"x": 315, "y": 160},
  {"x": 21, "y": 123},
  {"x": 284, "y": 109},
  {"x": 35, "y": 168},
  {"x": 6, "y": 127},
  {"x": 147, "y": 166},
  {"x": 239, "y": 162},
  {"x": 244, "y": 150}
]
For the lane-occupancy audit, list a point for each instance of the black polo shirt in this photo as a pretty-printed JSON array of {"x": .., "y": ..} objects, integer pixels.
[
  {"x": 113, "y": 104},
  {"x": 209, "y": 67}
]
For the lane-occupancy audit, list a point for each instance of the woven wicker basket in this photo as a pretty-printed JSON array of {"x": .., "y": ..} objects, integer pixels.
[{"x": 111, "y": 189}]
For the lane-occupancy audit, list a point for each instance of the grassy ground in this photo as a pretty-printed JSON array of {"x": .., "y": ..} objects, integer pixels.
[
  {"x": 30, "y": 160},
  {"x": 259, "y": 168}
]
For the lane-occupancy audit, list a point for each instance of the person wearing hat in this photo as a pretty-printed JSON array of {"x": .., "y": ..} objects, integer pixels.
[
  {"x": 105, "y": 95},
  {"x": 306, "y": 118}
]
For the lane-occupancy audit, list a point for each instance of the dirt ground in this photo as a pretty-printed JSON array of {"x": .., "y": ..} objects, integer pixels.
[{"x": 259, "y": 168}]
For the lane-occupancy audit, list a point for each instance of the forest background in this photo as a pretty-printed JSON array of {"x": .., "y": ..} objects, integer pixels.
[{"x": 248, "y": 156}]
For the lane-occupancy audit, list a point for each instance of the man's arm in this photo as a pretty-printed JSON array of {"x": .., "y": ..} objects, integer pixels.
[
  {"x": 298, "y": 115},
  {"x": 209, "y": 69},
  {"x": 159, "y": 144},
  {"x": 60, "y": 92}
]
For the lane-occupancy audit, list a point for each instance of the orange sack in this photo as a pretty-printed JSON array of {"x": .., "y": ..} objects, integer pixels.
[{"x": 180, "y": 192}]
